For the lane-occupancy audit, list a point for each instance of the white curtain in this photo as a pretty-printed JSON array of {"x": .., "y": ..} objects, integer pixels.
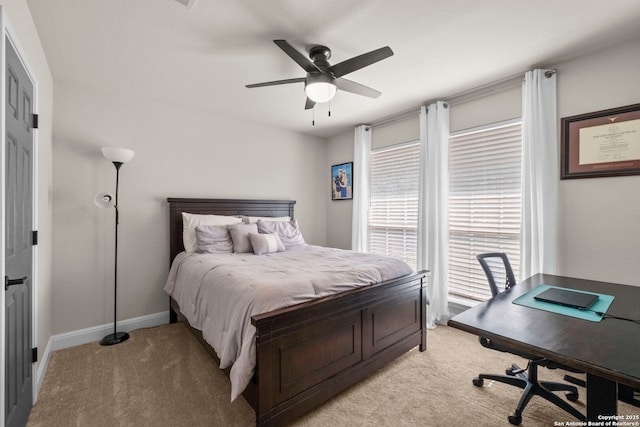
[
  {"x": 360, "y": 186},
  {"x": 433, "y": 210},
  {"x": 540, "y": 174}
]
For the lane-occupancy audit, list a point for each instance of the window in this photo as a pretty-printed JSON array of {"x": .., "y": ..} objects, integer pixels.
[
  {"x": 484, "y": 203},
  {"x": 393, "y": 206}
]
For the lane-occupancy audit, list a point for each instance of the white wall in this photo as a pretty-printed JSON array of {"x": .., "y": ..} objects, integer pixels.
[
  {"x": 179, "y": 153},
  {"x": 23, "y": 28},
  {"x": 493, "y": 108},
  {"x": 397, "y": 132},
  {"x": 600, "y": 217},
  {"x": 339, "y": 149},
  {"x": 599, "y": 234}
]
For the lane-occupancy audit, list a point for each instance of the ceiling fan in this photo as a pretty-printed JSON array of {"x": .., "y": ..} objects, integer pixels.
[{"x": 323, "y": 79}]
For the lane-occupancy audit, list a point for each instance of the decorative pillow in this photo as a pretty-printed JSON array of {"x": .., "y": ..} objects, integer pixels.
[
  {"x": 288, "y": 232},
  {"x": 266, "y": 243},
  {"x": 240, "y": 237},
  {"x": 255, "y": 219},
  {"x": 213, "y": 239},
  {"x": 191, "y": 221}
]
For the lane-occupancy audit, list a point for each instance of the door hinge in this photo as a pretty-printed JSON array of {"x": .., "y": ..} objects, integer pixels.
[
  {"x": 34, "y": 121},
  {"x": 34, "y": 355},
  {"x": 34, "y": 237}
]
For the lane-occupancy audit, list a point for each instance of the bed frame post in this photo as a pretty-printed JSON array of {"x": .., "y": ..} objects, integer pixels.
[{"x": 424, "y": 285}]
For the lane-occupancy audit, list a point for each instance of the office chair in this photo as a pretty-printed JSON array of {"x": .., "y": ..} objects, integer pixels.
[{"x": 500, "y": 276}]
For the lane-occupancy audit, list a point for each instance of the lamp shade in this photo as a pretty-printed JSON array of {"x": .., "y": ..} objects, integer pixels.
[
  {"x": 320, "y": 88},
  {"x": 119, "y": 155}
]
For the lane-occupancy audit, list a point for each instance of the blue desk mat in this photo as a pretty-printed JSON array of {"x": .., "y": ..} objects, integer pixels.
[{"x": 602, "y": 305}]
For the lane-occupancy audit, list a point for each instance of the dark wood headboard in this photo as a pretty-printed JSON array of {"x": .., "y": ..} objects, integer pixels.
[{"x": 219, "y": 207}]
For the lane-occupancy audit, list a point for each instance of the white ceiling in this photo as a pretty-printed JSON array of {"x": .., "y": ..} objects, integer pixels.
[{"x": 202, "y": 56}]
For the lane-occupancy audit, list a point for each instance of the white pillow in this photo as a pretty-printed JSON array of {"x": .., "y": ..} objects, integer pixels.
[
  {"x": 255, "y": 219},
  {"x": 191, "y": 221}
]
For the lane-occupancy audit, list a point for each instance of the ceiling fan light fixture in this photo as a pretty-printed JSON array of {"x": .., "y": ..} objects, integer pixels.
[{"x": 320, "y": 88}]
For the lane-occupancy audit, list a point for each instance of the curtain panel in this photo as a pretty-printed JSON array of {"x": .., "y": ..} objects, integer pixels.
[
  {"x": 433, "y": 211},
  {"x": 540, "y": 174},
  {"x": 361, "y": 178}
]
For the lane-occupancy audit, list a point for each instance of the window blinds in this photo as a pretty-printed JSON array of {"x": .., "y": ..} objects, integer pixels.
[
  {"x": 393, "y": 209},
  {"x": 484, "y": 203}
]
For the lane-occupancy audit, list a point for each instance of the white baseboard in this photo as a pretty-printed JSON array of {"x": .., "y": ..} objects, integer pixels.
[
  {"x": 93, "y": 334},
  {"x": 96, "y": 333}
]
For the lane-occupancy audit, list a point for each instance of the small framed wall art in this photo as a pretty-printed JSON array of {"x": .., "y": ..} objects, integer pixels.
[
  {"x": 342, "y": 181},
  {"x": 603, "y": 143}
]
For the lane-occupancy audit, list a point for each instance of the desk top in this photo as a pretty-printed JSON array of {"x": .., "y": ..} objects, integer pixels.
[{"x": 608, "y": 349}]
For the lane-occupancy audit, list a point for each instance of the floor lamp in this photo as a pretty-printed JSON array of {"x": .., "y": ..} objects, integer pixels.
[{"x": 118, "y": 156}]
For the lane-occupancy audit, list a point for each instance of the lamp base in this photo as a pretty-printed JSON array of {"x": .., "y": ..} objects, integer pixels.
[{"x": 113, "y": 339}]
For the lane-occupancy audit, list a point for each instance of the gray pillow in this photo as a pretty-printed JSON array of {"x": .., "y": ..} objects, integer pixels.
[
  {"x": 240, "y": 237},
  {"x": 288, "y": 232},
  {"x": 266, "y": 243},
  {"x": 213, "y": 239}
]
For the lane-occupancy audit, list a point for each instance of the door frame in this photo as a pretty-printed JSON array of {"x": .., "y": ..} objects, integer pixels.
[{"x": 10, "y": 36}]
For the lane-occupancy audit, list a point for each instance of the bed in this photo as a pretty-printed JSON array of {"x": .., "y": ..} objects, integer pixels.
[{"x": 309, "y": 352}]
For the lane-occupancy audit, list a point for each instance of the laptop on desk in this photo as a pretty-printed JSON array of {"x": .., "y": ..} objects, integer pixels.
[{"x": 568, "y": 298}]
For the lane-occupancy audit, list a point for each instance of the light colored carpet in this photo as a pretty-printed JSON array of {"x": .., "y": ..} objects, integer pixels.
[{"x": 163, "y": 377}]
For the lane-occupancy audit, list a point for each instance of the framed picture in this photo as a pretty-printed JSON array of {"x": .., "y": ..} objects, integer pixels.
[
  {"x": 342, "y": 181},
  {"x": 603, "y": 143}
]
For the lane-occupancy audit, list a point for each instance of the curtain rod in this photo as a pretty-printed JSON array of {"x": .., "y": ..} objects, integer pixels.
[
  {"x": 497, "y": 86},
  {"x": 484, "y": 90}
]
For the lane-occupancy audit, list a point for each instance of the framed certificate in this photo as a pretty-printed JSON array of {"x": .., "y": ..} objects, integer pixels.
[{"x": 603, "y": 143}]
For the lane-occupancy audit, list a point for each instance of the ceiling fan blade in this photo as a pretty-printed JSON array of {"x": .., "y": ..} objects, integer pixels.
[
  {"x": 309, "y": 104},
  {"x": 277, "y": 82},
  {"x": 300, "y": 59},
  {"x": 360, "y": 61},
  {"x": 357, "y": 88}
]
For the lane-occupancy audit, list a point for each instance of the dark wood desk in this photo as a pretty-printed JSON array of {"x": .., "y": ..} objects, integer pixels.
[{"x": 608, "y": 351}]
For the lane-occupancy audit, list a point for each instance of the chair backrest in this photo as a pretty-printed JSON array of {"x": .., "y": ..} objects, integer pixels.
[{"x": 498, "y": 270}]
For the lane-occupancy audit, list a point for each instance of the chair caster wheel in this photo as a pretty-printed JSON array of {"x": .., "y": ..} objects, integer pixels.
[
  {"x": 572, "y": 397},
  {"x": 478, "y": 382},
  {"x": 513, "y": 370},
  {"x": 515, "y": 420}
]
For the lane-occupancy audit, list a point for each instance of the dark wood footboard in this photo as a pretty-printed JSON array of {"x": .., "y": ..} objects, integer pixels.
[{"x": 310, "y": 352}]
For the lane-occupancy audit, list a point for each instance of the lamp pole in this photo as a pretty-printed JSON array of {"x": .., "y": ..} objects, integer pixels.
[{"x": 115, "y": 337}]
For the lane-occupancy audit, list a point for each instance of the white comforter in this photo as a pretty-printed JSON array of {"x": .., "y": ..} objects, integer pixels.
[{"x": 218, "y": 293}]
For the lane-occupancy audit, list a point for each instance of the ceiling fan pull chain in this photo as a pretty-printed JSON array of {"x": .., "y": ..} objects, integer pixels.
[
  {"x": 313, "y": 116},
  {"x": 329, "y": 108}
]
